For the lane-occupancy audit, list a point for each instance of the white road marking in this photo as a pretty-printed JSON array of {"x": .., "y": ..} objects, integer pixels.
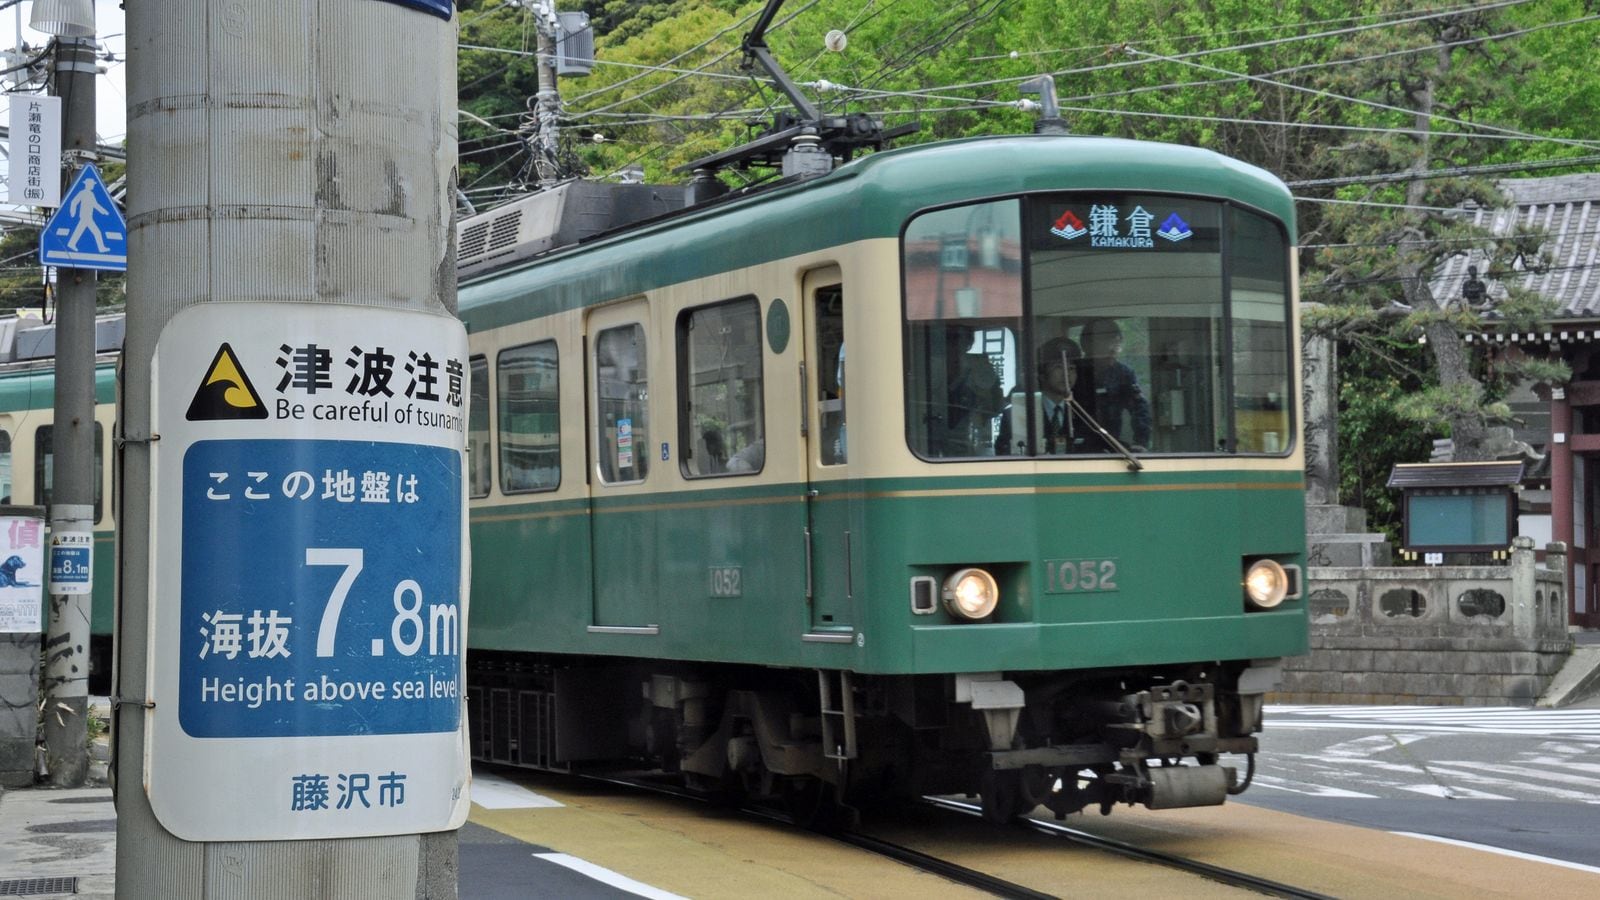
[
  {"x": 1526, "y": 772},
  {"x": 1506, "y": 783},
  {"x": 1309, "y": 790},
  {"x": 1488, "y": 849},
  {"x": 1361, "y": 748},
  {"x": 606, "y": 876},
  {"x": 1451, "y": 793},
  {"x": 494, "y": 792},
  {"x": 1576, "y": 724}
]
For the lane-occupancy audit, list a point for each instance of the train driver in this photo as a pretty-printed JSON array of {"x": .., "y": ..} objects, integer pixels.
[
  {"x": 972, "y": 395},
  {"x": 1058, "y": 363},
  {"x": 1110, "y": 389}
]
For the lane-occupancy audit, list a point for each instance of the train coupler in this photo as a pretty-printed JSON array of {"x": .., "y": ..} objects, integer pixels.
[{"x": 1175, "y": 787}]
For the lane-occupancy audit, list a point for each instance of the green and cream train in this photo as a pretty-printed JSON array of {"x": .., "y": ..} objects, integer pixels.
[
  {"x": 27, "y": 457},
  {"x": 771, "y": 490}
]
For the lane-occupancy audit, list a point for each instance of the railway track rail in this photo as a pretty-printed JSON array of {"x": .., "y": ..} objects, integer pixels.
[
  {"x": 1194, "y": 867},
  {"x": 984, "y": 881}
]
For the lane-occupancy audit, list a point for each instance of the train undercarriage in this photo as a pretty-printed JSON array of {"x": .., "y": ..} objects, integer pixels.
[{"x": 818, "y": 741}]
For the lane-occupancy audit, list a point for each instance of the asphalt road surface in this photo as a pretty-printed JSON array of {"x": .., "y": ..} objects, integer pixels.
[{"x": 1520, "y": 780}]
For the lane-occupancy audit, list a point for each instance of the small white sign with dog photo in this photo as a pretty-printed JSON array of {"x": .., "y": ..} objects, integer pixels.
[{"x": 21, "y": 574}]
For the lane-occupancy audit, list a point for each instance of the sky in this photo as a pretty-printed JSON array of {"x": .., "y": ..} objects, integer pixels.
[{"x": 111, "y": 93}]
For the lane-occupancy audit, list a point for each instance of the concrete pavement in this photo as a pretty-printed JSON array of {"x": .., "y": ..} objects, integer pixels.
[{"x": 59, "y": 836}]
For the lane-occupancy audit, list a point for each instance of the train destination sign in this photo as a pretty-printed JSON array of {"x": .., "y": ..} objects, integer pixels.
[
  {"x": 308, "y": 604},
  {"x": 1126, "y": 222}
]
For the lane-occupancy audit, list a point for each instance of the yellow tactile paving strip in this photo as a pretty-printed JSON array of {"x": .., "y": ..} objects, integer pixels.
[
  {"x": 1339, "y": 860},
  {"x": 699, "y": 852}
]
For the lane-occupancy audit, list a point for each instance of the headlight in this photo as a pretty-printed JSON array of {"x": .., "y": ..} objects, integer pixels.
[
  {"x": 1265, "y": 584},
  {"x": 971, "y": 594}
]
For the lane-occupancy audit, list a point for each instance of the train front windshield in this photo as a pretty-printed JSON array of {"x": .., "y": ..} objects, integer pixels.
[{"x": 1096, "y": 323}]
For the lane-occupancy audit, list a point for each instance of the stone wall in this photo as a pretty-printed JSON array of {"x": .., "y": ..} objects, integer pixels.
[
  {"x": 1475, "y": 635},
  {"x": 19, "y": 708}
]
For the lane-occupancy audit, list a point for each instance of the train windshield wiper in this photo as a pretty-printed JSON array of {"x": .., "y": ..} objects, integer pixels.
[{"x": 1077, "y": 409}]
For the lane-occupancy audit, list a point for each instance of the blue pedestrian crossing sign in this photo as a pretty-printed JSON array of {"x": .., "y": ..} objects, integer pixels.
[{"x": 88, "y": 231}]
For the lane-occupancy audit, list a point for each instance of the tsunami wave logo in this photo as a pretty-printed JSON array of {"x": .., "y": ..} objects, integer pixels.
[{"x": 225, "y": 392}]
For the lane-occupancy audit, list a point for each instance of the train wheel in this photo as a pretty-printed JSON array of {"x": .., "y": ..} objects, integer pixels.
[
  {"x": 811, "y": 802},
  {"x": 1002, "y": 795},
  {"x": 1038, "y": 785}
]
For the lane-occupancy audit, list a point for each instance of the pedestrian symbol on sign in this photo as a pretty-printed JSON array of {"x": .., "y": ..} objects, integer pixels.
[
  {"x": 83, "y": 205},
  {"x": 88, "y": 213}
]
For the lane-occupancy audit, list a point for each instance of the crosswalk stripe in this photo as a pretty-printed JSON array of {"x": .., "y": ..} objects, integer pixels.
[
  {"x": 1478, "y": 778},
  {"x": 1526, "y": 772},
  {"x": 1310, "y": 790},
  {"x": 1567, "y": 724}
]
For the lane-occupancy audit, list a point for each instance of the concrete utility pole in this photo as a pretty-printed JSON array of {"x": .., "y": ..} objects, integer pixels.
[
  {"x": 283, "y": 155},
  {"x": 73, "y": 479},
  {"x": 548, "y": 103}
]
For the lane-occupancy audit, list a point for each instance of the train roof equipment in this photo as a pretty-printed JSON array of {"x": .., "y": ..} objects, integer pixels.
[{"x": 29, "y": 342}]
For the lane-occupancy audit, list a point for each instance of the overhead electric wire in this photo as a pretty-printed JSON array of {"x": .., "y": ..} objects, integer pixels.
[
  {"x": 1425, "y": 48},
  {"x": 1238, "y": 77},
  {"x": 695, "y": 49},
  {"x": 1376, "y": 204},
  {"x": 1452, "y": 172},
  {"x": 1060, "y": 74},
  {"x": 609, "y": 62},
  {"x": 1533, "y": 272},
  {"x": 969, "y": 103},
  {"x": 1372, "y": 103},
  {"x": 698, "y": 71},
  {"x": 1220, "y": 34}
]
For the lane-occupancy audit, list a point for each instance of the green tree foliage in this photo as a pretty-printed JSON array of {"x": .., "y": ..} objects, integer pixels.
[
  {"x": 1373, "y": 436},
  {"x": 21, "y": 284},
  {"x": 1423, "y": 82}
]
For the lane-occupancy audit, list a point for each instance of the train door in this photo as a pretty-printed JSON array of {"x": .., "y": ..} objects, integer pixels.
[
  {"x": 623, "y": 530},
  {"x": 832, "y": 546}
]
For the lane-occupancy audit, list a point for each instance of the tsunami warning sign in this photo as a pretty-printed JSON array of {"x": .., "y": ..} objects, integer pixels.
[{"x": 309, "y": 596}]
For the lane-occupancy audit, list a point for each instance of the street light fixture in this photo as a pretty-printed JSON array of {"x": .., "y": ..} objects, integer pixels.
[{"x": 63, "y": 18}]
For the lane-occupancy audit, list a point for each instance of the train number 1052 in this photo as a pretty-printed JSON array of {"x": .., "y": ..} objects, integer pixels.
[{"x": 1080, "y": 576}]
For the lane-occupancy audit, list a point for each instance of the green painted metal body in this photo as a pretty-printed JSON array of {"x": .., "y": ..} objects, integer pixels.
[{"x": 1176, "y": 543}]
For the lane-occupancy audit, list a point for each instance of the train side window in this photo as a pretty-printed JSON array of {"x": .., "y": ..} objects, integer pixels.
[
  {"x": 5, "y": 467},
  {"x": 722, "y": 428},
  {"x": 830, "y": 376},
  {"x": 530, "y": 418},
  {"x": 623, "y": 381},
  {"x": 478, "y": 430},
  {"x": 1258, "y": 266},
  {"x": 44, "y": 466},
  {"x": 963, "y": 315}
]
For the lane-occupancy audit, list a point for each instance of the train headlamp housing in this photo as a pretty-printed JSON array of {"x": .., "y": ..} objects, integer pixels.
[
  {"x": 971, "y": 594},
  {"x": 1266, "y": 583}
]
